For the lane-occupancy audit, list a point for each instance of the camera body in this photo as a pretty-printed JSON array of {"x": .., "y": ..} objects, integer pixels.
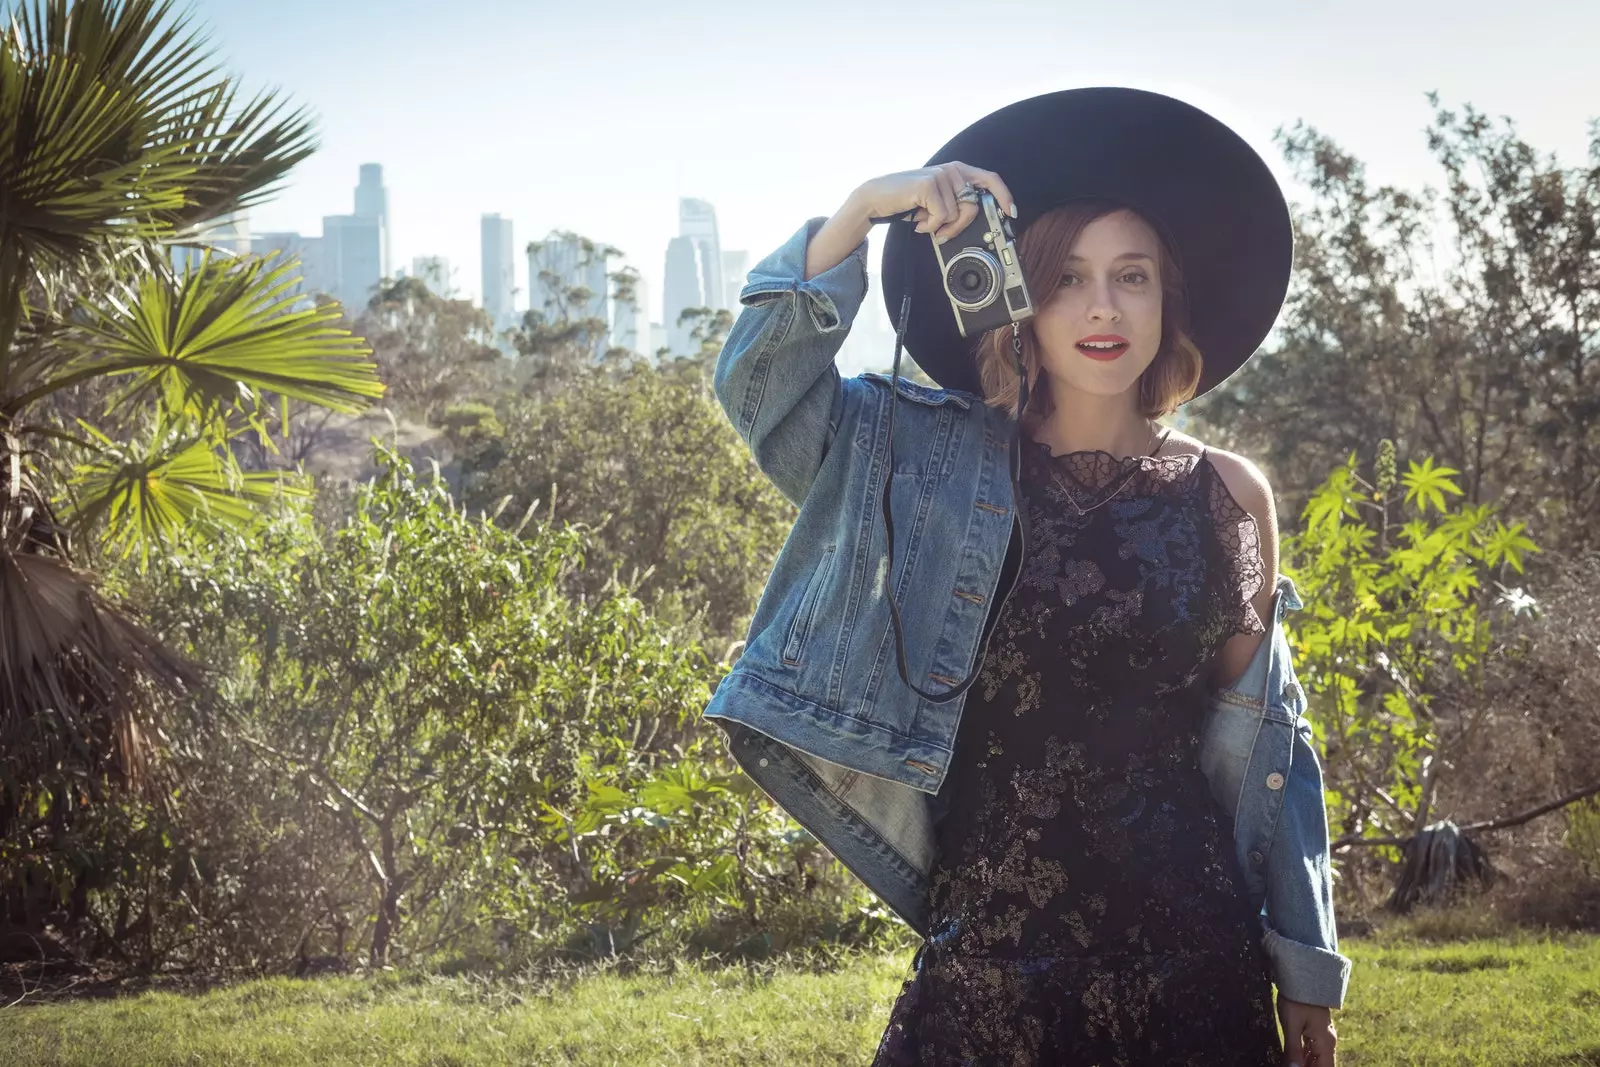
[{"x": 982, "y": 272}]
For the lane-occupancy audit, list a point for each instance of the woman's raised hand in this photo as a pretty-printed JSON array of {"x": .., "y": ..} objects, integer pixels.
[{"x": 931, "y": 192}]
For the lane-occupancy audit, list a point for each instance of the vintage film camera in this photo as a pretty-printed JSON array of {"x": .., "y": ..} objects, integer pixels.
[{"x": 983, "y": 273}]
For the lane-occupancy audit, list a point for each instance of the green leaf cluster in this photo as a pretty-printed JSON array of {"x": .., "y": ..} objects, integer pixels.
[{"x": 1402, "y": 585}]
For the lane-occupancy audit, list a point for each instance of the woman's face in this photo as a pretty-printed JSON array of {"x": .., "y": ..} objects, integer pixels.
[{"x": 1101, "y": 327}]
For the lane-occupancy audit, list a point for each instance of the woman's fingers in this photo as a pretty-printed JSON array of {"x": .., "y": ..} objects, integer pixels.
[
  {"x": 988, "y": 179},
  {"x": 1320, "y": 1042},
  {"x": 966, "y": 210},
  {"x": 940, "y": 200},
  {"x": 1308, "y": 1034},
  {"x": 958, "y": 212},
  {"x": 940, "y": 211}
]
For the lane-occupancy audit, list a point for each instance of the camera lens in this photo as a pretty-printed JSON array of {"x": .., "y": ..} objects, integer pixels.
[{"x": 972, "y": 278}]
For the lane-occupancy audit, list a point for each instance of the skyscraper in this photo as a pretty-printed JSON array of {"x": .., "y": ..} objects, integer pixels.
[
  {"x": 353, "y": 253},
  {"x": 372, "y": 202},
  {"x": 697, "y": 220},
  {"x": 283, "y": 245},
  {"x": 499, "y": 278},
  {"x": 682, "y": 288}
]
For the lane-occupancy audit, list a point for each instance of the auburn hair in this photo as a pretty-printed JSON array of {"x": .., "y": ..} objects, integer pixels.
[{"x": 1172, "y": 376}]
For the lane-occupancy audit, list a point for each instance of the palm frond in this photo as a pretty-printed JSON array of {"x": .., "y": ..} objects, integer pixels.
[
  {"x": 73, "y": 668},
  {"x": 221, "y": 331},
  {"x": 147, "y": 494},
  {"x": 83, "y": 161},
  {"x": 117, "y": 125},
  {"x": 238, "y": 155},
  {"x": 70, "y": 664}
]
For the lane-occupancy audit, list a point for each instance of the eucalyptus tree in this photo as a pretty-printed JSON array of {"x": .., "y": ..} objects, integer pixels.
[{"x": 1461, "y": 322}]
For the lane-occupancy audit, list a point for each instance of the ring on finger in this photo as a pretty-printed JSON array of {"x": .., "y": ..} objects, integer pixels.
[{"x": 968, "y": 193}]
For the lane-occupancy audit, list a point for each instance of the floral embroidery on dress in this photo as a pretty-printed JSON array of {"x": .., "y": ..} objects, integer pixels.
[{"x": 1085, "y": 904}]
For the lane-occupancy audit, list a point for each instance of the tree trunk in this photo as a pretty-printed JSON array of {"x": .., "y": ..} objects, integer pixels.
[{"x": 388, "y": 897}]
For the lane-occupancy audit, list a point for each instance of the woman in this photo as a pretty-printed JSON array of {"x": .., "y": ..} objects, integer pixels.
[{"x": 1084, "y": 903}]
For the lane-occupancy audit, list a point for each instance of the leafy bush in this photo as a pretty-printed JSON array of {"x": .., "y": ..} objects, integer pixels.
[
  {"x": 417, "y": 745},
  {"x": 645, "y": 458},
  {"x": 1582, "y": 838},
  {"x": 1402, "y": 586}
]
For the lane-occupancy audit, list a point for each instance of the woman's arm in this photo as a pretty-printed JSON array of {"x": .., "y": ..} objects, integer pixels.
[
  {"x": 775, "y": 377},
  {"x": 1301, "y": 938},
  {"x": 1249, "y": 489},
  {"x": 840, "y": 236}
]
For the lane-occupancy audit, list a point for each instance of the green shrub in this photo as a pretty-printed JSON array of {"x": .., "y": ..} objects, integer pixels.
[
  {"x": 1582, "y": 838},
  {"x": 418, "y": 745}
]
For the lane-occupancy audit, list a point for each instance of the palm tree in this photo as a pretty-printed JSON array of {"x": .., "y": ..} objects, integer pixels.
[{"x": 119, "y": 138}]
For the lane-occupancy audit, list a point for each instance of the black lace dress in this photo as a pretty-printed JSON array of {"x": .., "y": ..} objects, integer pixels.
[{"x": 1086, "y": 907}]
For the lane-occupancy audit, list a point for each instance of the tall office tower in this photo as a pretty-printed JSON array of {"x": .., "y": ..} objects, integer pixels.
[
  {"x": 558, "y": 268},
  {"x": 698, "y": 220},
  {"x": 434, "y": 271},
  {"x": 735, "y": 265},
  {"x": 352, "y": 259},
  {"x": 499, "y": 278},
  {"x": 282, "y": 245},
  {"x": 372, "y": 202},
  {"x": 681, "y": 288},
  {"x": 630, "y": 319}
]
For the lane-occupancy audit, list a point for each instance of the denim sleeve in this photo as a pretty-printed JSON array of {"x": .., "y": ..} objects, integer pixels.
[
  {"x": 775, "y": 377},
  {"x": 1301, "y": 938}
]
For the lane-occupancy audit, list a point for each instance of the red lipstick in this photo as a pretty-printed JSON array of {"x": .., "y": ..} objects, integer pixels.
[{"x": 1102, "y": 346}]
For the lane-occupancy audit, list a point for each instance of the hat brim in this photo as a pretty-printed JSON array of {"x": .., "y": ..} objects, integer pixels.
[{"x": 1207, "y": 191}]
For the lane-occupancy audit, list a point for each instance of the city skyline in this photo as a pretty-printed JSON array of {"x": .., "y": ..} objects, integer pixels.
[
  {"x": 564, "y": 117},
  {"x": 351, "y": 256}
]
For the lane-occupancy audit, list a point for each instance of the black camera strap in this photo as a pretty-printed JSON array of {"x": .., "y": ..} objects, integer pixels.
[{"x": 888, "y": 481}]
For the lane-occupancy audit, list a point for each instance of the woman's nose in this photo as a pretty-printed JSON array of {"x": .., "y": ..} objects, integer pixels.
[{"x": 1103, "y": 306}]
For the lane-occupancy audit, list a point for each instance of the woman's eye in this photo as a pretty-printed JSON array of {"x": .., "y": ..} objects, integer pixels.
[{"x": 1132, "y": 276}]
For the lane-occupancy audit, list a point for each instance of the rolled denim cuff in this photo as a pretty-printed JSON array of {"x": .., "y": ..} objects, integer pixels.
[
  {"x": 1306, "y": 973},
  {"x": 832, "y": 297}
]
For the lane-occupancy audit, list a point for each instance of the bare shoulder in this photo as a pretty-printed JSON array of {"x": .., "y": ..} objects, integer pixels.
[
  {"x": 1245, "y": 481},
  {"x": 1247, "y": 484}
]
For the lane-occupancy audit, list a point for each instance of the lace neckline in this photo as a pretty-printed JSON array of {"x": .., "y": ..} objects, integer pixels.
[
  {"x": 1090, "y": 470},
  {"x": 1099, "y": 457}
]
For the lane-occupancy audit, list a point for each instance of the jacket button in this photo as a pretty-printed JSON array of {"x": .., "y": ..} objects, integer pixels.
[
  {"x": 1256, "y": 857},
  {"x": 762, "y": 761},
  {"x": 1274, "y": 780}
]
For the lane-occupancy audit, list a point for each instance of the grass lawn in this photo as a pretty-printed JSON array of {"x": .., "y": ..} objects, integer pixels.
[{"x": 1521, "y": 999}]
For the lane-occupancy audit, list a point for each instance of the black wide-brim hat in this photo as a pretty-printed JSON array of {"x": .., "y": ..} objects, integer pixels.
[{"x": 1206, "y": 191}]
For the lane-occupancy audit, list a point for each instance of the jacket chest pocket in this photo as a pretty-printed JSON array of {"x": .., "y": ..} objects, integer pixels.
[
  {"x": 805, "y": 614},
  {"x": 928, "y": 427}
]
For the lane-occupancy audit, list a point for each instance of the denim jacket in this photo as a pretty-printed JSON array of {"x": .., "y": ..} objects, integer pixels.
[{"x": 815, "y": 710}]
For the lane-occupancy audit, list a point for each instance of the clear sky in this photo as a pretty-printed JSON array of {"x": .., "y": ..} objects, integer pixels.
[{"x": 597, "y": 116}]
